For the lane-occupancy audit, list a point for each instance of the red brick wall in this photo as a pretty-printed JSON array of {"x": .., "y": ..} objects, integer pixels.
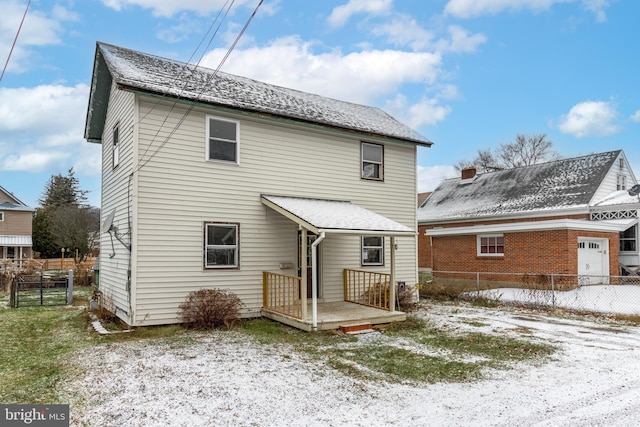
[{"x": 541, "y": 252}]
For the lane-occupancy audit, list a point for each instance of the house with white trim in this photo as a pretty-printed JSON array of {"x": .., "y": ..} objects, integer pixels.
[
  {"x": 573, "y": 216},
  {"x": 302, "y": 205},
  {"x": 15, "y": 230}
]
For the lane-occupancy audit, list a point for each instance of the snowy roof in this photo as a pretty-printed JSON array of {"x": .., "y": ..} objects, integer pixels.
[
  {"x": 620, "y": 197},
  {"x": 334, "y": 216},
  {"x": 18, "y": 205},
  {"x": 139, "y": 71},
  {"x": 563, "y": 184}
]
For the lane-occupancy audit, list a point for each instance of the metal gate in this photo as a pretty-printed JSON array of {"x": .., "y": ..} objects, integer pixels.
[{"x": 37, "y": 290}]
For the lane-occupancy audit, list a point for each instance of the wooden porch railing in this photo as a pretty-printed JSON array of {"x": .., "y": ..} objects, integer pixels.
[
  {"x": 367, "y": 288},
  {"x": 281, "y": 294}
]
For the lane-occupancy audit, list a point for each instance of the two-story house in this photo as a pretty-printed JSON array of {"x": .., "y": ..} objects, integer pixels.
[
  {"x": 15, "y": 230},
  {"x": 575, "y": 216},
  {"x": 212, "y": 180}
]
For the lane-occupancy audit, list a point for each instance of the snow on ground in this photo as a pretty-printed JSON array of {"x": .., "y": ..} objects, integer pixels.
[{"x": 223, "y": 379}]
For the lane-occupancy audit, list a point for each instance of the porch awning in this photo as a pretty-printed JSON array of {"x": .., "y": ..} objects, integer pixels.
[
  {"x": 15, "y": 241},
  {"x": 335, "y": 216}
]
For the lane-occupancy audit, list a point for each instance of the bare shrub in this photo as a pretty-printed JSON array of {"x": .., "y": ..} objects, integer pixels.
[
  {"x": 210, "y": 308},
  {"x": 407, "y": 297}
]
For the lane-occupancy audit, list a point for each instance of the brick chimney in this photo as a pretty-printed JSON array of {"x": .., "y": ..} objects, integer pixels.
[{"x": 468, "y": 172}]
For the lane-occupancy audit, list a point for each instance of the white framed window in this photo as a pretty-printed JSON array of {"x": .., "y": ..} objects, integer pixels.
[
  {"x": 622, "y": 182},
  {"x": 115, "y": 148},
  {"x": 372, "y": 250},
  {"x": 491, "y": 245},
  {"x": 221, "y": 249},
  {"x": 223, "y": 140},
  {"x": 1, "y": 216},
  {"x": 628, "y": 239},
  {"x": 372, "y": 161}
]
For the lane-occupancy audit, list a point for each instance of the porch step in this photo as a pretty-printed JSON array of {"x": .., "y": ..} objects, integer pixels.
[{"x": 360, "y": 328}]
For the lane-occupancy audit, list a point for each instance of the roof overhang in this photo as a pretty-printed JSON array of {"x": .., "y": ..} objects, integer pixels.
[
  {"x": 16, "y": 241},
  {"x": 335, "y": 217},
  {"x": 610, "y": 226}
]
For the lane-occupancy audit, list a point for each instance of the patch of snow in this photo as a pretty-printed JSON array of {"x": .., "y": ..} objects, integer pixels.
[{"x": 225, "y": 379}]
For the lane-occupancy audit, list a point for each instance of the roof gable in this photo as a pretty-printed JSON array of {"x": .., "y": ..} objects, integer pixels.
[
  {"x": 10, "y": 202},
  {"x": 139, "y": 71},
  {"x": 563, "y": 184}
]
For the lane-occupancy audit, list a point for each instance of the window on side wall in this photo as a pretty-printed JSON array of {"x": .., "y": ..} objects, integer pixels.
[
  {"x": 491, "y": 245},
  {"x": 622, "y": 182},
  {"x": 628, "y": 240},
  {"x": 222, "y": 140},
  {"x": 221, "y": 248},
  {"x": 115, "y": 149},
  {"x": 372, "y": 250},
  {"x": 1, "y": 216},
  {"x": 372, "y": 161}
]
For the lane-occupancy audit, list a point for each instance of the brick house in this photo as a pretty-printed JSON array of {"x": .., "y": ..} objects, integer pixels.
[{"x": 571, "y": 216}]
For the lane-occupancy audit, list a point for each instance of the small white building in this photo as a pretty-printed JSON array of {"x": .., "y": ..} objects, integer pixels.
[{"x": 211, "y": 180}]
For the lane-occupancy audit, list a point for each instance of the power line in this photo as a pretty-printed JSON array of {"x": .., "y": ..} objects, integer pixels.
[{"x": 6, "y": 64}]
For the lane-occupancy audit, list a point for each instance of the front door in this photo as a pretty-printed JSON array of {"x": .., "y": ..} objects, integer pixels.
[{"x": 310, "y": 239}]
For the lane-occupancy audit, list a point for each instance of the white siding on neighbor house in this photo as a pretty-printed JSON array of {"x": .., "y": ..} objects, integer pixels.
[
  {"x": 178, "y": 191},
  {"x": 610, "y": 182},
  {"x": 113, "y": 269}
]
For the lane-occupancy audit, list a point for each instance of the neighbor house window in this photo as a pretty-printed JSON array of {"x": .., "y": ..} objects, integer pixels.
[
  {"x": 222, "y": 140},
  {"x": 622, "y": 182},
  {"x": 1, "y": 216},
  {"x": 492, "y": 245},
  {"x": 372, "y": 250},
  {"x": 115, "y": 150},
  {"x": 221, "y": 245},
  {"x": 628, "y": 239},
  {"x": 372, "y": 161}
]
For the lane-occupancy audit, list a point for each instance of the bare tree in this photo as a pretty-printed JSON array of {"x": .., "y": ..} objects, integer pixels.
[{"x": 525, "y": 150}]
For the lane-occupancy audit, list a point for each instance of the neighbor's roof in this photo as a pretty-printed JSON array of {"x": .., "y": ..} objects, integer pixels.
[
  {"x": 334, "y": 216},
  {"x": 10, "y": 206},
  {"x": 562, "y": 184},
  {"x": 148, "y": 73}
]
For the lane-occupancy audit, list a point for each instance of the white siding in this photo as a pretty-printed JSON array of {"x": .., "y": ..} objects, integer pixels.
[
  {"x": 113, "y": 269},
  {"x": 178, "y": 191},
  {"x": 610, "y": 182}
]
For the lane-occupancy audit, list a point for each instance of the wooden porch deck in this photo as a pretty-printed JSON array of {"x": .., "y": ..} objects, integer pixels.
[{"x": 332, "y": 315}]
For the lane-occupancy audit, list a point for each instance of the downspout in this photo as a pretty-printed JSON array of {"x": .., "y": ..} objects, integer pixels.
[{"x": 314, "y": 281}]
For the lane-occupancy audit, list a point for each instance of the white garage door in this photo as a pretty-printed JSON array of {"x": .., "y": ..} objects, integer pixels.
[{"x": 593, "y": 261}]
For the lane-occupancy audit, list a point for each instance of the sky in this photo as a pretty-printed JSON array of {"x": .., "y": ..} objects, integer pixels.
[{"x": 467, "y": 74}]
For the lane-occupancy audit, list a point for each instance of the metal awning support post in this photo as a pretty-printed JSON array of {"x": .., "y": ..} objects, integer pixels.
[
  {"x": 303, "y": 275},
  {"x": 392, "y": 289},
  {"x": 314, "y": 281}
]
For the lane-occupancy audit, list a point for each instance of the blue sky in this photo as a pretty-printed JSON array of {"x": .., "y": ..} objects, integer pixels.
[{"x": 468, "y": 74}]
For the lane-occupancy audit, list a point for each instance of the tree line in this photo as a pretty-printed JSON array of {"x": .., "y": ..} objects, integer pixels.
[{"x": 65, "y": 220}]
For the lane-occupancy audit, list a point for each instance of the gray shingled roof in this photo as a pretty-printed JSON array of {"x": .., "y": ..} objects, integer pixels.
[
  {"x": 563, "y": 184},
  {"x": 149, "y": 73}
]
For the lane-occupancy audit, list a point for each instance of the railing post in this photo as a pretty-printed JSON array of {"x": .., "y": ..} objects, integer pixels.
[
  {"x": 70, "y": 288},
  {"x": 553, "y": 291},
  {"x": 264, "y": 290}
]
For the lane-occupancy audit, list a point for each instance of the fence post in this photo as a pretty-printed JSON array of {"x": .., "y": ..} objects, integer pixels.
[
  {"x": 553, "y": 291},
  {"x": 13, "y": 299},
  {"x": 70, "y": 288},
  {"x": 478, "y": 281},
  {"x": 41, "y": 290}
]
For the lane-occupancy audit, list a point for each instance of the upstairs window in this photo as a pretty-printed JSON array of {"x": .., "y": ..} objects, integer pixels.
[
  {"x": 221, "y": 245},
  {"x": 222, "y": 140},
  {"x": 372, "y": 161},
  {"x": 115, "y": 149},
  {"x": 491, "y": 245},
  {"x": 372, "y": 250},
  {"x": 622, "y": 182}
]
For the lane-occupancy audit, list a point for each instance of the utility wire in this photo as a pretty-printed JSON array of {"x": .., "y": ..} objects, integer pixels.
[
  {"x": 201, "y": 92},
  {"x": 6, "y": 64}
]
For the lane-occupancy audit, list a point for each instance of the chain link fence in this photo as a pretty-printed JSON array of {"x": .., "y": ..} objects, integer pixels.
[{"x": 616, "y": 295}]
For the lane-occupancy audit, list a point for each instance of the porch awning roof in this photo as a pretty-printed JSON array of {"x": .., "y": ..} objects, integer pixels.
[
  {"x": 15, "y": 241},
  {"x": 335, "y": 216}
]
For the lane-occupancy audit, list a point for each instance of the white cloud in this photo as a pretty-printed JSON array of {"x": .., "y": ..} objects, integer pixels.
[
  {"x": 38, "y": 29},
  {"x": 341, "y": 14},
  {"x": 360, "y": 77},
  {"x": 590, "y": 118},
  {"x": 635, "y": 117},
  {"x": 475, "y": 8},
  {"x": 430, "y": 177},
  {"x": 168, "y": 8},
  {"x": 461, "y": 41},
  {"x": 404, "y": 30},
  {"x": 42, "y": 129},
  {"x": 426, "y": 111}
]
